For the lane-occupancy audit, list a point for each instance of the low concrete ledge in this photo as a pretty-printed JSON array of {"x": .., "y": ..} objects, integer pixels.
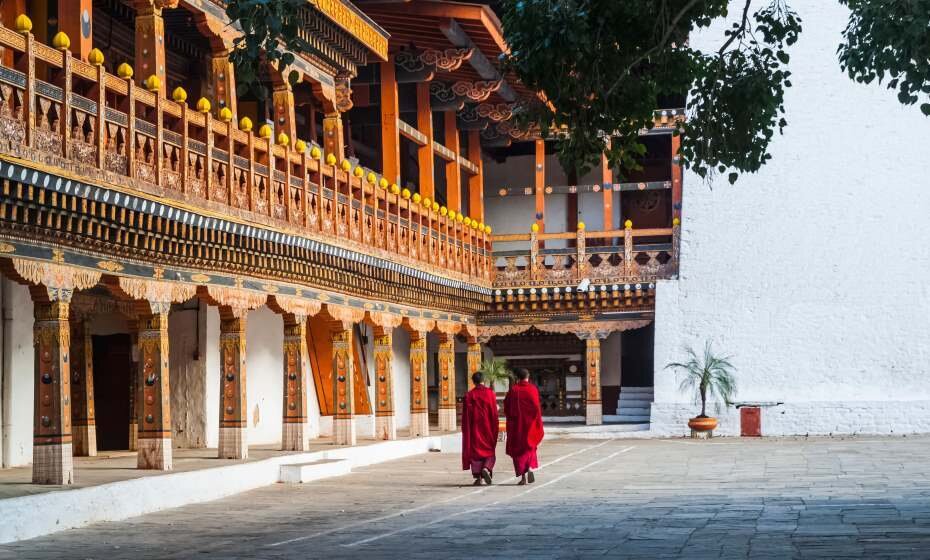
[
  {"x": 27, "y": 517},
  {"x": 316, "y": 470}
]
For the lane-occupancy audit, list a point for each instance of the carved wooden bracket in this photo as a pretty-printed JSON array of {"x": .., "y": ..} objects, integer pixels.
[
  {"x": 476, "y": 91},
  {"x": 300, "y": 308}
]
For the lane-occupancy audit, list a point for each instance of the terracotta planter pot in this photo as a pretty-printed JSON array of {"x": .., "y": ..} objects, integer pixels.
[{"x": 702, "y": 424}]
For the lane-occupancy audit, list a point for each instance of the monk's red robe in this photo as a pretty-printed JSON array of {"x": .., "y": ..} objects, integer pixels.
[
  {"x": 479, "y": 428},
  {"x": 524, "y": 425}
]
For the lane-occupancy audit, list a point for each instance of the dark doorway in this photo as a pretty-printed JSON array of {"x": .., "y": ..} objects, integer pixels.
[
  {"x": 637, "y": 360},
  {"x": 112, "y": 367}
]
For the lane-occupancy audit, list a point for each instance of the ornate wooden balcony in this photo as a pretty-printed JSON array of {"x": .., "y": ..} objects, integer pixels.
[
  {"x": 602, "y": 257},
  {"x": 87, "y": 124}
]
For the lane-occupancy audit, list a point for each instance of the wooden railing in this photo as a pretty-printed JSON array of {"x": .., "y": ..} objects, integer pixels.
[
  {"x": 89, "y": 123},
  {"x": 603, "y": 257}
]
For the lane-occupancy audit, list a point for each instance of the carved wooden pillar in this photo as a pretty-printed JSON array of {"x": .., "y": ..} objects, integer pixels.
[
  {"x": 343, "y": 385},
  {"x": 474, "y": 359},
  {"x": 75, "y": 20},
  {"x": 390, "y": 134},
  {"x": 446, "y": 383},
  {"x": 133, "y": 385},
  {"x": 453, "y": 171},
  {"x": 333, "y": 135},
  {"x": 419, "y": 411},
  {"x": 594, "y": 409},
  {"x": 233, "y": 441},
  {"x": 153, "y": 397},
  {"x": 539, "y": 183},
  {"x": 283, "y": 103},
  {"x": 222, "y": 84},
  {"x": 83, "y": 425},
  {"x": 296, "y": 434},
  {"x": 476, "y": 181},
  {"x": 425, "y": 155},
  {"x": 52, "y": 461},
  {"x": 150, "y": 42},
  {"x": 385, "y": 421}
]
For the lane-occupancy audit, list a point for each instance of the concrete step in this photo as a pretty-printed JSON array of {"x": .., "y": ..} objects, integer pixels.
[
  {"x": 634, "y": 410},
  {"x": 635, "y": 401},
  {"x": 631, "y": 390},
  {"x": 314, "y": 470},
  {"x": 633, "y": 418}
]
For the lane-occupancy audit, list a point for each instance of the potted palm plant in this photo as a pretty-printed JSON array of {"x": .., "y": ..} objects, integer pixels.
[
  {"x": 497, "y": 373},
  {"x": 706, "y": 376}
]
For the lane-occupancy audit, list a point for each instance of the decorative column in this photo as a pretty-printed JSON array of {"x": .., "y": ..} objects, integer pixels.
[
  {"x": 83, "y": 426},
  {"x": 233, "y": 442},
  {"x": 153, "y": 397},
  {"x": 296, "y": 433},
  {"x": 453, "y": 171},
  {"x": 594, "y": 409},
  {"x": 75, "y": 20},
  {"x": 133, "y": 385},
  {"x": 425, "y": 155},
  {"x": 476, "y": 181},
  {"x": 474, "y": 359},
  {"x": 390, "y": 112},
  {"x": 343, "y": 385},
  {"x": 539, "y": 183},
  {"x": 446, "y": 383},
  {"x": 222, "y": 84},
  {"x": 419, "y": 411},
  {"x": 283, "y": 103},
  {"x": 52, "y": 461},
  {"x": 385, "y": 421},
  {"x": 150, "y": 40}
]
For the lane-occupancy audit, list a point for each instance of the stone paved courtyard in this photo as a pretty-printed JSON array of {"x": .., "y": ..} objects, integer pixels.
[{"x": 729, "y": 498}]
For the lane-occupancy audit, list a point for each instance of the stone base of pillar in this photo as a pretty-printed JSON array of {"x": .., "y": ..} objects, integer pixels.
[
  {"x": 234, "y": 444},
  {"x": 419, "y": 424},
  {"x": 386, "y": 427},
  {"x": 154, "y": 454},
  {"x": 295, "y": 437},
  {"x": 446, "y": 419},
  {"x": 594, "y": 414},
  {"x": 52, "y": 464},
  {"x": 344, "y": 431},
  {"x": 133, "y": 436},
  {"x": 84, "y": 441}
]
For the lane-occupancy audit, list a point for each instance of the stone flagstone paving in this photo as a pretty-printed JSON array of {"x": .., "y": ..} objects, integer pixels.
[{"x": 865, "y": 497}]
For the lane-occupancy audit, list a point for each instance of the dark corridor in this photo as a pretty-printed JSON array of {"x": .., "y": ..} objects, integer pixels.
[{"x": 112, "y": 367}]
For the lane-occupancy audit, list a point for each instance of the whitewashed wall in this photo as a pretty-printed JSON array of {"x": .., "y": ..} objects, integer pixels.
[
  {"x": 813, "y": 273},
  {"x": 17, "y": 381},
  {"x": 264, "y": 375},
  {"x": 211, "y": 341},
  {"x": 188, "y": 378},
  {"x": 400, "y": 367}
]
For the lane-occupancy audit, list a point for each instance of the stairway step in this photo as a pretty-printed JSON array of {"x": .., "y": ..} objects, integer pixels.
[{"x": 315, "y": 470}]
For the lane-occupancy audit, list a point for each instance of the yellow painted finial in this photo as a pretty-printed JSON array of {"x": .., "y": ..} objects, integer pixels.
[
  {"x": 534, "y": 228},
  {"x": 358, "y": 171},
  {"x": 435, "y": 206},
  {"x": 226, "y": 114},
  {"x": 61, "y": 41},
  {"x": 384, "y": 183},
  {"x": 23, "y": 23},
  {"x": 153, "y": 83},
  {"x": 124, "y": 71},
  {"x": 283, "y": 139},
  {"x": 459, "y": 218},
  {"x": 346, "y": 165},
  {"x": 628, "y": 224},
  {"x": 676, "y": 221},
  {"x": 315, "y": 153},
  {"x": 179, "y": 94},
  {"x": 330, "y": 159},
  {"x": 487, "y": 229},
  {"x": 417, "y": 198},
  {"x": 405, "y": 193},
  {"x": 300, "y": 146},
  {"x": 467, "y": 222},
  {"x": 394, "y": 189},
  {"x": 427, "y": 203},
  {"x": 580, "y": 226},
  {"x": 452, "y": 214},
  {"x": 245, "y": 124},
  {"x": 95, "y": 56},
  {"x": 203, "y": 105},
  {"x": 264, "y": 131},
  {"x": 443, "y": 211},
  {"x": 372, "y": 178}
]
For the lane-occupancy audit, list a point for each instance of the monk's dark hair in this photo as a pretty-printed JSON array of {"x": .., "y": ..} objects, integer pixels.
[
  {"x": 523, "y": 373},
  {"x": 477, "y": 377}
]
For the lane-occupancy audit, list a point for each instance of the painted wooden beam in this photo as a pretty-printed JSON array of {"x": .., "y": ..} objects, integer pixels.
[{"x": 458, "y": 37}]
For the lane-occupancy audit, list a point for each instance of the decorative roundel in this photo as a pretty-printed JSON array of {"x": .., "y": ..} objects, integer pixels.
[
  {"x": 596, "y": 188},
  {"x": 383, "y": 403},
  {"x": 556, "y": 289},
  {"x": 230, "y": 376},
  {"x": 502, "y": 192},
  {"x": 568, "y": 289},
  {"x": 548, "y": 190},
  {"x": 544, "y": 291},
  {"x": 341, "y": 378},
  {"x": 532, "y": 291},
  {"x": 342, "y": 405},
  {"x": 292, "y": 376},
  {"x": 416, "y": 378},
  {"x": 652, "y": 286},
  {"x": 615, "y": 287},
  {"x": 573, "y": 368},
  {"x": 509, "y": 292},
  {"x": 604, "y": 287},
  {"x": 626, "y": 287},
  {"x": 639, "y": 286},
  {"x": 418, "y": 401},
  {"x": 520, "y": 292},
  {"x": 641, "y": 186},
  {"x": 46, "y": 378},
  {"x": 381, "y": 378},
  {"x": 664, "y": 113},
  {"x": 497, "y": 292},
  {"x": 46, "y": 421},
  {"x": 149, "y": 419}
]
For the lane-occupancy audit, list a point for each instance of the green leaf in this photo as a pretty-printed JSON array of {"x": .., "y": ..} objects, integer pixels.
[
  {"x": 925, "y": 109},
  {"x": 732, "y": 177}
]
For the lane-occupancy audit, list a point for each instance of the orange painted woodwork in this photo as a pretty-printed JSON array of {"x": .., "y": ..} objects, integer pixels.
[
  {"x": 150, "y": 45},
  {"x": 476, "y": 181},
  {"x": 425, "y": 157},
  {"x": 676, "y": 178},
  {"x": 390, "y": 112},
  {"x": 453, "y": 171},
  {"x": 539, "y": 173},
  {"x": 75, "y": 19},
  {"x": 607, "y": 177},
  {"x": 320, "y": 347}
]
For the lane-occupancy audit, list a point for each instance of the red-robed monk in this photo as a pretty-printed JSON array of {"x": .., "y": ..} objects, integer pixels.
[
  {"x": 524, "y": 426},
  {"x": 479, "y": 430}
]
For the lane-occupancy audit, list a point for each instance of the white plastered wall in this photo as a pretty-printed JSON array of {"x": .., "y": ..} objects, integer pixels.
[
  {"x": 813, "y": 273},
  {"x": 400, "y": 367},
  {"x": 18, "y": 374}
]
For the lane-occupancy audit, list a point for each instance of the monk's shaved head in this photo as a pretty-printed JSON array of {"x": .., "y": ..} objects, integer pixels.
[
  {"x": 477, "y": 378},
  {"x": 523, "y": 374}
]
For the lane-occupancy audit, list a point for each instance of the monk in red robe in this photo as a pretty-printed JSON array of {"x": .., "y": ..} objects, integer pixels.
[
  {"x": 479, "y": 430},
  {"x": 524, "y": 426}
]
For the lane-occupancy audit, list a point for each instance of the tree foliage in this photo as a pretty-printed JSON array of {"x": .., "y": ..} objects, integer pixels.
[
  {"x": 890, "y": 40},
  {"x": 269, "y": 36},
  {"x": 607, "y": 70}
]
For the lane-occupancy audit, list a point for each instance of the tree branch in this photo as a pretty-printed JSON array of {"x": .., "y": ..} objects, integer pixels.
[
  {"x": 742, "y": 29},
  {"x": 655, "y": 49}
]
